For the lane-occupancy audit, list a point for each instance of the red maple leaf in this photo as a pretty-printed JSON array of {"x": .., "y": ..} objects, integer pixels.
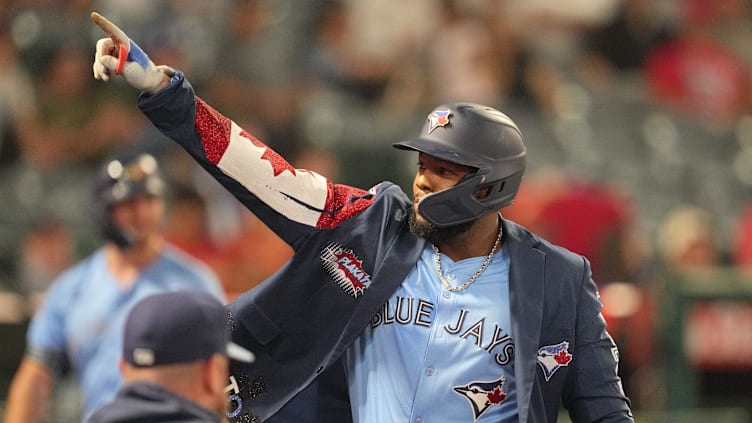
[
  {"x": 563, "y": 357},
  {"x": 279, "y": 164},
  {"x": 496, "y": 396}
]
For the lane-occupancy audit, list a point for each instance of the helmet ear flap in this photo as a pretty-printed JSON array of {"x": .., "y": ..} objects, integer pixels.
[
  {"x": 454, "y": 205},
  {"x": 443, "y": 208},
  {"x": 506, "y": 190},
  {"x": 489, "y": 190}
]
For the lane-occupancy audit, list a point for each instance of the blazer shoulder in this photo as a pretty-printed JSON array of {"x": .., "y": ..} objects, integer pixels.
[{"x": 523, "y": 238}]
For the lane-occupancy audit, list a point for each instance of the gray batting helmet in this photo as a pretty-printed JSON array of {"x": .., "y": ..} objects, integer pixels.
[{"x": 477, "y": 136}]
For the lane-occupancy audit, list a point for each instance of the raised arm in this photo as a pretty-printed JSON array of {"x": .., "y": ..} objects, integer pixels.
[{"x": 256, "y": 175}]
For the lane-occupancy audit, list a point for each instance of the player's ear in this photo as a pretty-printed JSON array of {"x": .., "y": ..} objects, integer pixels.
[
  {"x": 125, "y": 369},
  {"x": 215, "y": 373}
]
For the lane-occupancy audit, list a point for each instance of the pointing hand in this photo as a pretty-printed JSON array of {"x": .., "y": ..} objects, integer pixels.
[{"x": 118, "y": 55}]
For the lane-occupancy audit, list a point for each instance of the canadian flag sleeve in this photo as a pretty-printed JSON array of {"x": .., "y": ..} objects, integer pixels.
[{"x": 245, "y": 165}]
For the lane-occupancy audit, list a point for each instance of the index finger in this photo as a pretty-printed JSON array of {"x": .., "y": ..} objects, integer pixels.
[{"x": 117, "y": 35}]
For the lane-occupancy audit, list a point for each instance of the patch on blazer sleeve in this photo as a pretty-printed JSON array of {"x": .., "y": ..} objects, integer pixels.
[
  {"x": 552, "y": 357},
  {"x": 344, "y": 266}
]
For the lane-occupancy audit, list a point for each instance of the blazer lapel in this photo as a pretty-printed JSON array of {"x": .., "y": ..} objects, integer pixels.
[{"x": 526, "y": 298}]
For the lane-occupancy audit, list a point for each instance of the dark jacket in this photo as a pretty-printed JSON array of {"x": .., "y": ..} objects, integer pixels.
[
  {"x": 149, "y": 403},
  {"x": 352, "y": 250}
]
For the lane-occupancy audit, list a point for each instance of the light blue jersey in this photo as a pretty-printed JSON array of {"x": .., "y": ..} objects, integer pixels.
[
  {"x": 81, "y": 321},
  {"x": 433, "y": 355}
]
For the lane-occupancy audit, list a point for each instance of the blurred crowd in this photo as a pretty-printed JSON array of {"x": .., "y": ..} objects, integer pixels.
[{"x": 637, "y": 116}]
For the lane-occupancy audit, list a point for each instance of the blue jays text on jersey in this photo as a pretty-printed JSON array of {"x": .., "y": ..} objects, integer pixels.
[{"x": 419, "y": 312}]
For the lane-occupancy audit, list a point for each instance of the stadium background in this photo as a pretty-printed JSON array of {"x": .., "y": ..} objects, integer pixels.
[{"x": 637, "y": 116}]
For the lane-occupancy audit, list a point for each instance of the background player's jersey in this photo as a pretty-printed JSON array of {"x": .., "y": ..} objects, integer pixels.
[{"x": 81, "y": 321}]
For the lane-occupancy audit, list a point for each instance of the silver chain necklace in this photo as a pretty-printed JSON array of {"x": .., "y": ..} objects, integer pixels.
[{"x": 470, "y": 281}]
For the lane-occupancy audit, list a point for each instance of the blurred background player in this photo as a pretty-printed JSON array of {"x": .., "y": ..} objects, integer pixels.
[{"x": 79, "y": 325}]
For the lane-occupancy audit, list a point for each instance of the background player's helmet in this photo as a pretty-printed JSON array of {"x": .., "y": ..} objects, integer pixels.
[
  {"x": 472, "y": 135},
  {"x": 120, "y": 180}
]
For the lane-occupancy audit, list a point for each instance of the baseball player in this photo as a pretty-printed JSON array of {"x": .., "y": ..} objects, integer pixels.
[
  {"x": 80, "y": 324},
  {"x": 428, "y": 307}
]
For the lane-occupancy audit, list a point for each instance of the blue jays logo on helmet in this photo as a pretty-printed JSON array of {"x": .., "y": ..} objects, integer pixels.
[
  {"x": 552, "y": 357},
  {"x": 482, "y": 395},
  {"x": 438, "y": 118}
]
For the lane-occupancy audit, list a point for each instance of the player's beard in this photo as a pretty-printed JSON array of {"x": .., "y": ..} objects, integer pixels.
[{"x": 435, "y": 234}]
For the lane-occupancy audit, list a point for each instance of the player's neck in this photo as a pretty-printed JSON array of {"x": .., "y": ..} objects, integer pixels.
[
  {"x": 127, "y": 264},
  {"x": 476, "y": 242}
]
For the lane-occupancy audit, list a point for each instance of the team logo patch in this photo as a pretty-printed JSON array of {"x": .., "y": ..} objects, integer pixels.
[
  {"x": 346, "y": 269},
  {"x": 553, "y": 357},
  {"x": 482, "y": 395},
  {"x": 438, "y": 118}
]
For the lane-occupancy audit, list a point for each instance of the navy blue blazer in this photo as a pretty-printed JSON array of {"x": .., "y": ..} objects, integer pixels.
[{"x": 352, "y": 250}]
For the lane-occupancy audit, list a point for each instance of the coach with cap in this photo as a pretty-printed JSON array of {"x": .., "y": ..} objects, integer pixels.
[{"x": 175, "y": 361}]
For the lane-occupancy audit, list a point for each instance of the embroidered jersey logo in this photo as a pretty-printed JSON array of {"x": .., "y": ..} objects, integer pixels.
[
  {"x": 553, "y": 357},
  {"x": 482, "y": 395},
  {"x": 438, "y": 118},
  {"x": 346, "y": 269}
]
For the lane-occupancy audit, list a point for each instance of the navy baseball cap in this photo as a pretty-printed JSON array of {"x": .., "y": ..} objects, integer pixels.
[{"x": 178, "y": 327}]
